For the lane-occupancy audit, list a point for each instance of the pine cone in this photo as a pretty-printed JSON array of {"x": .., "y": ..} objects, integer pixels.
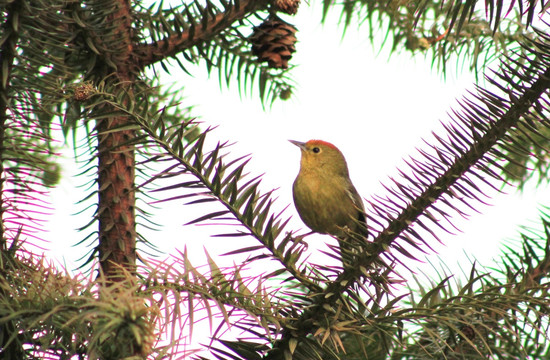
[
  {"x": 273, "y": 41},
  {"x": 83, "y": 91},
  {"x": 287, "y": 6}
]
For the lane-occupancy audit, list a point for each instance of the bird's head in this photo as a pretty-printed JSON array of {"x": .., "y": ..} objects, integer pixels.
[{"x": 319, "y": 155}]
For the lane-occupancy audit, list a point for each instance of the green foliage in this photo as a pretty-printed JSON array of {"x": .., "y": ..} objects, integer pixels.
[
  {"x": 48, "y": 314},
  {"x": 26, "y": 158},
  {"x": 531, "y": 161},
  {"x": 468, "y": 33}
]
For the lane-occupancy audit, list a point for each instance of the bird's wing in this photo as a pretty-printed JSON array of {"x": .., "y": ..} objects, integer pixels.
[{"x": 358, "y": 202}]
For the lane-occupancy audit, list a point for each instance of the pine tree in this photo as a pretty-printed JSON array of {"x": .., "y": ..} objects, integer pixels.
[{"x": 82, "y": 66}]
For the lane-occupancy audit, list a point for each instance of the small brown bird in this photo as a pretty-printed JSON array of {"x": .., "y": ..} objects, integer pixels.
[{"x": 325, "y": 198}]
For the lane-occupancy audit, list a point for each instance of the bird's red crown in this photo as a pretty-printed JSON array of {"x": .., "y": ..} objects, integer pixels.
[{"x": 321, "y": 142}]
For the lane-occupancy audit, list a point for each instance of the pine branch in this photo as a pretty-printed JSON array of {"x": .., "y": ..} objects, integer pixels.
[
  {"x": 530, "y": 268},
  {"x": 197, "y": 33},
  {"x": 481, "y": 317},
  {"x": 444, "y": 30},
  {"x": 502, "y": 314},
  {"x": 37, "y": 305},
  {"x": 7, "y": 57},
  {"x": 205, "y": 289}
]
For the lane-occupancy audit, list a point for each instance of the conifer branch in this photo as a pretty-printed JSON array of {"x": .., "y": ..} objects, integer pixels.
[
  {"x": 206, "y": 29},
  {"x": 7, "y": 56}
]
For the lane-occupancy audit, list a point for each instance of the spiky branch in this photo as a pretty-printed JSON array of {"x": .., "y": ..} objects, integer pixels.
[
  {"x": 7, "y": 56},
  {"x": 197, "y": 33},
  {"x": 444, "y": 29}
]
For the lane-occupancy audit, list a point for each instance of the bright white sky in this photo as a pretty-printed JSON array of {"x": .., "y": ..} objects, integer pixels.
[{"x": 375, "y": 109}]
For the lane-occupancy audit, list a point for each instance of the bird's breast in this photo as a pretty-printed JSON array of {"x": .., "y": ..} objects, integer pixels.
[{"x": 323, "y": 203}]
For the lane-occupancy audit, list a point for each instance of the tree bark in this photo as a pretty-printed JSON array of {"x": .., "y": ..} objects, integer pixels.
[
  {"x": 116, "y": 161},
  {"x": 149, "y": 54}
]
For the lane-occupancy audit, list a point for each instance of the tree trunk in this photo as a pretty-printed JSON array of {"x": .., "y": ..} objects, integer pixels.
[
  {"x": 116, "y": 166},
  {"x": 117, "y": 236}
]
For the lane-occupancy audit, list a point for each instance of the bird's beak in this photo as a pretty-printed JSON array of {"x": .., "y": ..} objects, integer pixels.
[{"x": 301, "y": 145}]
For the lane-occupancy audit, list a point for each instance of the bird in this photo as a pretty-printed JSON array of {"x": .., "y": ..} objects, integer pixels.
[{"x": 324, "y": 196}]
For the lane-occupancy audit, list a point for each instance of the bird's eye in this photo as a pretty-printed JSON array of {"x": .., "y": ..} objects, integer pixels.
[{"x": 316, "y": 150}]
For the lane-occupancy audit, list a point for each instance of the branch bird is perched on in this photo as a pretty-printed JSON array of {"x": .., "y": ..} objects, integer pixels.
[{"x": 325, "y": 198}]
